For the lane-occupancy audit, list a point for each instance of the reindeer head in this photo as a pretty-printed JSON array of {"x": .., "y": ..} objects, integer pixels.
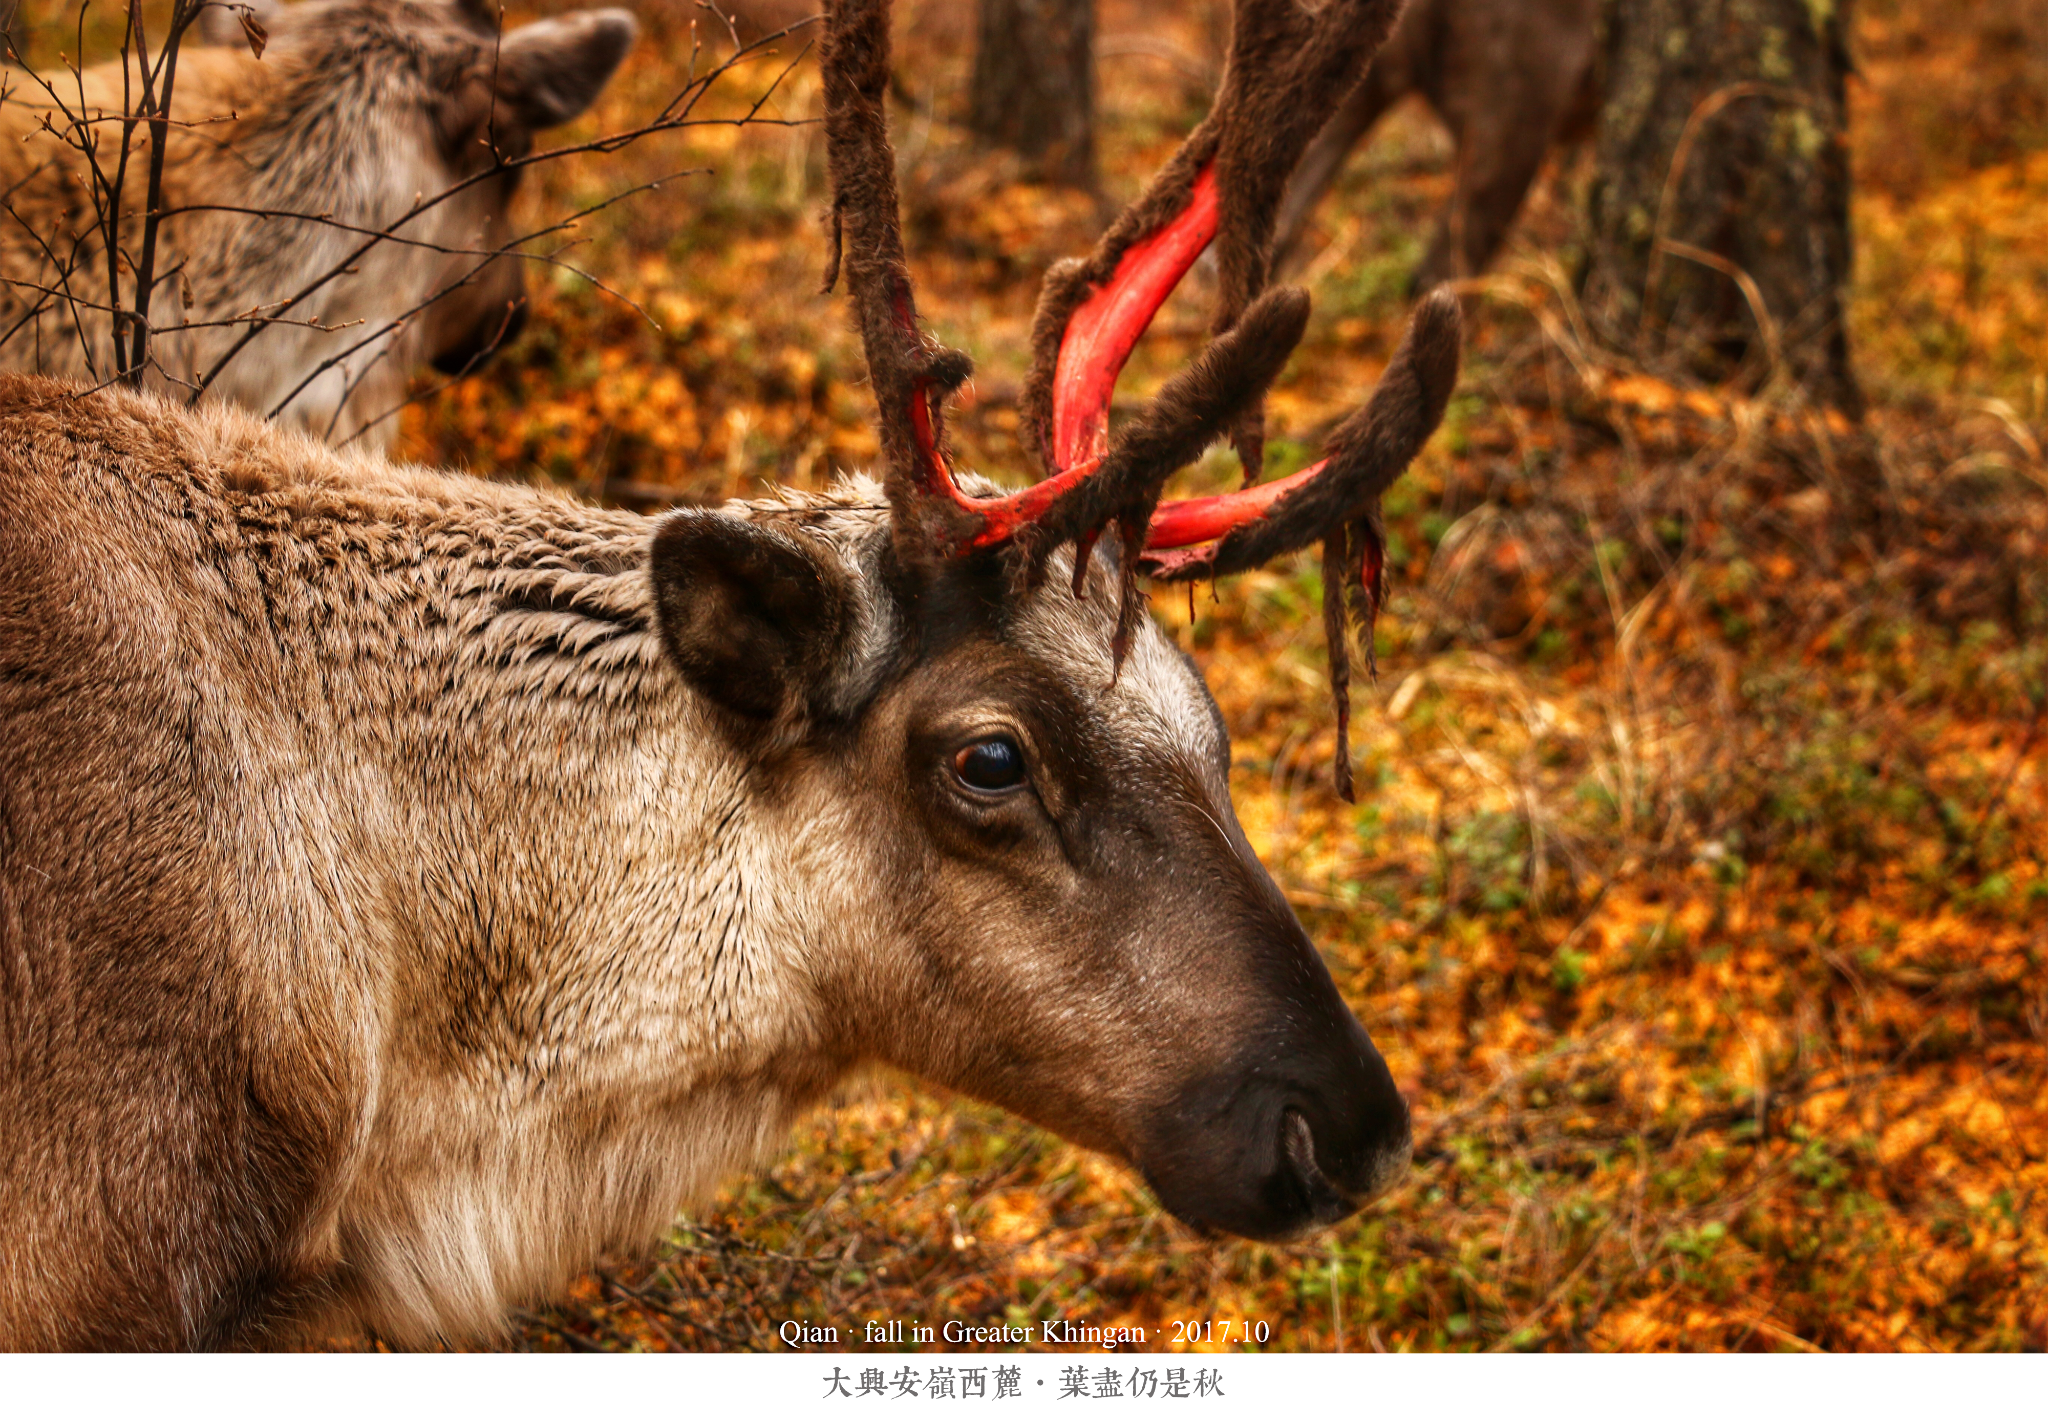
[
  {"x": 440, "y": 96},
  {"x": 1043, "y": 893}
]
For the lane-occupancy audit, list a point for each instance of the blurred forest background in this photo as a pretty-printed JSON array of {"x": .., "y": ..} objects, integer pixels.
[{"x": 1697, "y": 888}]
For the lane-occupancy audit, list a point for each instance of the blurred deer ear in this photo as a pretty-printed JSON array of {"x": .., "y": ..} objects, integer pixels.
[
  {"x": 755, "y": 617},
  {"x": 551, "y": 71},
  {"x": 227, "y": 23}
]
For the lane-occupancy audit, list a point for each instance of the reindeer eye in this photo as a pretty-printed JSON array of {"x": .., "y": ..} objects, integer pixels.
[{"x": 994, "y": 764}]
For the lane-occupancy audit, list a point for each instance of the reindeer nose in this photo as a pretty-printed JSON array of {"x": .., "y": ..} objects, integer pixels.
[
  {"x": 1341, "y": 1136},
  {"x": 1308, "y": 1132},
  {"x": 1339, "y": 1159}
]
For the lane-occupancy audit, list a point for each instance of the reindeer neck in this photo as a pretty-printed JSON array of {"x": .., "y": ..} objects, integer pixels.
[
  {"x": 598, "y": 998},
  {"x": 566, "y": 836},
  {"x": 500, "y": 875}
]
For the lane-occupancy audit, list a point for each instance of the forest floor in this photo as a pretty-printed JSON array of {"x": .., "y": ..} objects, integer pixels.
[{"x": 1697, "y": 888}]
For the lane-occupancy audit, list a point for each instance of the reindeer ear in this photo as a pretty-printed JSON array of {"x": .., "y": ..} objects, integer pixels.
[
  {"x": 551, "y": 71},
  {"x": 755, "y": 617}
]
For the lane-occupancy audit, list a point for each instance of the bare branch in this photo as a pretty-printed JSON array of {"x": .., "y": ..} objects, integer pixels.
[
  {"x": 322, "y": 219},
  {"x": 183, "y": 13}
]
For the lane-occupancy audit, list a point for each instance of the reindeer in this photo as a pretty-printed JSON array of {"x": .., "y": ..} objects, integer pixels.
[
  {"x": 412, "y": 886},
  {"x": 1505, "y": 76},
  {"x": 359, "y": 117}
]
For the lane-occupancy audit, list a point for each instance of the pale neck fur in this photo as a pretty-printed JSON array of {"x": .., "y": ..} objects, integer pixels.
[{"x": 590, "y": 993}]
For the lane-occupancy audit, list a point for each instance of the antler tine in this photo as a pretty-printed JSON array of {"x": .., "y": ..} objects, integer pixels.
[
  {"x": 1336, "y": 500},
  {"x": 1287, "y": 68},
  {"x": 911, "y": 374},
  {"x": 1361, "y": 458},
  {"x": 1211, "y": 394}
]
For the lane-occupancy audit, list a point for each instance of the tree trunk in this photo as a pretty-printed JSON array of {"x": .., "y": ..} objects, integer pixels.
[
  {"x": 1718, "y": 215},
  {"x": 1034, "y": 84}
]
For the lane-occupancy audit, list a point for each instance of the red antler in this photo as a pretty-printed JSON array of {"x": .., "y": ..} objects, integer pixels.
[
  {"x": 1288, "y": 68},
  {"x": 1105, "y": 328},
  {"x": 912, "y": 375}
]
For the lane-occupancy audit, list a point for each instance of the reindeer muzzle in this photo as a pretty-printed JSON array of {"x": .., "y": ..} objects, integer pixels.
[{"x": 1301, "y": 1136}]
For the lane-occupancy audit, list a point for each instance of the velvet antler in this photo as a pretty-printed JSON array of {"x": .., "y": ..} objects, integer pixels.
[
  {"x": 912, "y": 375},
  {"x": 1288, "y": 68},
  {"x": 1336, "y": 500}
]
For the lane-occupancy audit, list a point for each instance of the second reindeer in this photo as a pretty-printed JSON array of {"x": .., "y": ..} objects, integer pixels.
[{"x": 335, "y": 210}]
